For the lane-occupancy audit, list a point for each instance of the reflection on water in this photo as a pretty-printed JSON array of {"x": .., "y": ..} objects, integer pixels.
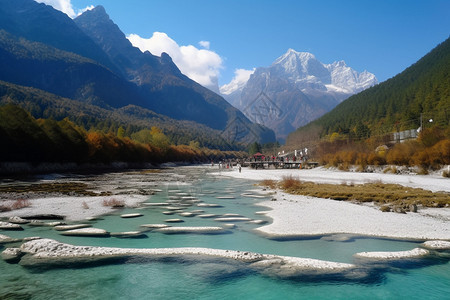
[{"x": 197, "y": 278}]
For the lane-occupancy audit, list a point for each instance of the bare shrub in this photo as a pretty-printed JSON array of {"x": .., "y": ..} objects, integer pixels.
[
  {"x": 433, "y": 157},
  {"x": 290, "y": 183},
  {"x": 385, "y": 208},
  {"x": 17, "y": 204},
  {"x": 20, "y": 203},
  {"x": 402, "y": 153},
  {"x": 269, "y": 183},
  {"x": 361, "y": 161},
  {"x": 360, "y": 168},
  {"x": 422, "y": 171},
  {"x": 375, "y": 159},
  {"x": 113, "y": 202},
  {"x": 345, "y": 166}
]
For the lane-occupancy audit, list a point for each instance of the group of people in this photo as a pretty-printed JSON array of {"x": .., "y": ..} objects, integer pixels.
[
  {"x": 274, "y": 158},
  {"x": 228, "y": 164}
]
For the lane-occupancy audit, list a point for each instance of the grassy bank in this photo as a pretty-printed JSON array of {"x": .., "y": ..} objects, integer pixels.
[{"x": 389, "y": 197}]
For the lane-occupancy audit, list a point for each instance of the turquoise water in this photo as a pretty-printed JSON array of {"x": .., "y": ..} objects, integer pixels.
[{"x": 217, "y": 279}]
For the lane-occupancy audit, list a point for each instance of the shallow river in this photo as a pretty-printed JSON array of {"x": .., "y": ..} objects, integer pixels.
[{"x": 206, "y": 278}]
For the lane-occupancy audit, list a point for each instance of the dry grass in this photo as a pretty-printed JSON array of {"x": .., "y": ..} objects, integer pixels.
[
  {"x": 66, "y": 188},
  {"x": 388, "y": 196},
  {"x": 269, "y": 183},
  {"x": 430, "y": 151},
  {"x": 290, "y": 183},
  {"x": 114, "y": 203}
]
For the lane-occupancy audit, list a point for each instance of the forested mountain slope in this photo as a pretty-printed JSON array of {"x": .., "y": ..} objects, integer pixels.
[
  {"x": 132, "y": 118},
  {"x": 394, "y": 105},
  {"x": 91, "y": 61}
]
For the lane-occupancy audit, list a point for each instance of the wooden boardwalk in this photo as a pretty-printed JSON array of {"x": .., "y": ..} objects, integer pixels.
[{"x": 280, "y": 164}]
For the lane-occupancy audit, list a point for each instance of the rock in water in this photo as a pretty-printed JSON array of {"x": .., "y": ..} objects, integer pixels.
[
  {"x": 71, "y": 227},
  {"x": 232, "y": 219},
  {"x": 200, "y": 230},
  {"x": 18, "y": 220},
  {"x": 9, "y": 226},
  {"x": 129, "y": 234},
  {"x": 135, "y": 215},
  {"x": 437, "y": 245},
  {"x": 6, "y": 239},
  {"x": 12, "y": 255},
  {"x": 174, "y": 221},
  {"x": 94, "y": 232},
  {"x": 154, "y": 226}
]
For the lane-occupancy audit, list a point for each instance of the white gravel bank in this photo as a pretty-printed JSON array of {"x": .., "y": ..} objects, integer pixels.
[{"x": 297, "y": 216}]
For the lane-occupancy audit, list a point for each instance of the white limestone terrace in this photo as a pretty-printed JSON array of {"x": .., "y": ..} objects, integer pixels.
[
  {"x": 301, "y": 216},
  {"x": 395, "y": 255},
  {"x": 437, "y": 245},
  {"x": 48, "y": 252}
]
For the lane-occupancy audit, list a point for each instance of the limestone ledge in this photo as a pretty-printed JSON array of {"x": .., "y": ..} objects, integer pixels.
[
  {"x": 192, "y": 229},
  {"x": 48, "y": 251},
  {"x": 4, "y": 239},
  {"x": 9, "y": 226},
  {"x": 395, "y": 255},
  {"x": 437, "y": 245}
]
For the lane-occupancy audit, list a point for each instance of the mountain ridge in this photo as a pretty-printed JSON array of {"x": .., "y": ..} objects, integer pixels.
[
  {"x": 421, "y": 91},
  {"x": 109, "y": 79},
  {"x": 300, "y": 88},
  {"x": 42, "y": 23},
  {"x": 42, "y": 104},
  {"x": 176, "y": 95}
]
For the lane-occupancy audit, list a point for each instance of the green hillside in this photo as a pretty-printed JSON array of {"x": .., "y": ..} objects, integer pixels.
[
  {"x": 37, "y": 141},
  {"x": 41, "y": 104},
  {"x": 397, "y": 104},
  {"x": 90, "y": 60}
]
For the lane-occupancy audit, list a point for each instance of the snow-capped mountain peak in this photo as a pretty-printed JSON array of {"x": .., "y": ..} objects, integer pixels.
[
  {"x": 349, "y": 80},
  {"x": 298, "y": 64},
  {"x": 298, "y": 87},
  {"x": 293, "y": 57},
  {"x": 303, "y": 69}
]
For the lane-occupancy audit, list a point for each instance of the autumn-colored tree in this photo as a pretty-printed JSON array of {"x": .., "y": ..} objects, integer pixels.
[
  {"x": 159, "y": 140},
  {"x": 120, "y": 132}
]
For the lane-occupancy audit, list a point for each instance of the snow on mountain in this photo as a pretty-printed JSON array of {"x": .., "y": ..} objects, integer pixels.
[
  {"x": 241, "y": 76},
  {"x": 303, "y": 69},
  {"x": 349, "y": 80},
  {"x": 298, "y": 87}
]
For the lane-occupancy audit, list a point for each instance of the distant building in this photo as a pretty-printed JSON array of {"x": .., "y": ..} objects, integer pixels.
[{"x": 400, "y": 137}]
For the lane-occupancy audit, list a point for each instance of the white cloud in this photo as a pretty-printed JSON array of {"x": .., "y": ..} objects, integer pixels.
[
  {"x": 201, "y": 65},
  {"x": 241, "y": 76},
  {"x": 204, "y": 44},
  {"x": 80, "y": 11},
  {"x": 65, "y": 6}
]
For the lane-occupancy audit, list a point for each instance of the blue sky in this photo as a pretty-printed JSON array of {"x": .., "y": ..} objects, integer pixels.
[{"x": 383, "y": 37}]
